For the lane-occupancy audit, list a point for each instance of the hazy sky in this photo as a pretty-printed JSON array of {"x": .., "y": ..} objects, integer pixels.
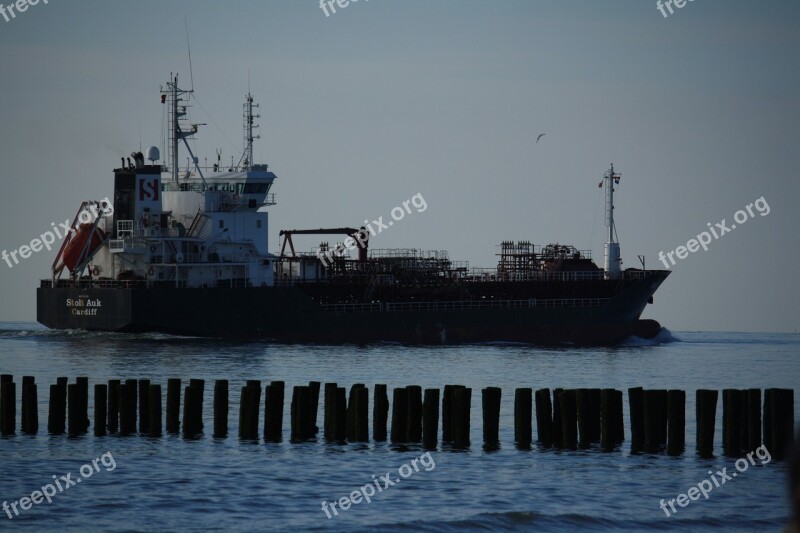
[{"x": 388, "y": 98}]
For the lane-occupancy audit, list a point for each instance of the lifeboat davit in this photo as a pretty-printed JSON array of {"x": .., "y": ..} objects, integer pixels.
[{"x": 74, "y": 248}]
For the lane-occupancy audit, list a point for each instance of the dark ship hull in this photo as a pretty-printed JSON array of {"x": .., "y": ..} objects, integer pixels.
[{"x": 598, "y": 312}]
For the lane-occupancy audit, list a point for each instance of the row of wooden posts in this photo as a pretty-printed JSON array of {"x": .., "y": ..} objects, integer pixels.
[{"x": 567, "y": 418}]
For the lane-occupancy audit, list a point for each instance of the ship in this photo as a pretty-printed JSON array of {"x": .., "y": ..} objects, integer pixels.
[{"x": 184, "y": 249}]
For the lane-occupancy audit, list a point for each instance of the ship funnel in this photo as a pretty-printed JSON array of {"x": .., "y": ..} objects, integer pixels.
[{"x": 138, "y": 158}]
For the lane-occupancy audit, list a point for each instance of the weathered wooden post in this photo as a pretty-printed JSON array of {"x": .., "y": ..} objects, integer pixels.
[
  {"x": 192, "y": 411},
  {"x": 608, "y": 432},
  {"x": 491, "y": 416},
  {"x": 300, "y": 415},
  {"x": 585, "y": 414},
  {"x": 652, "y": 421},
  {"x": 30, "y": 407},
  {"x": 558, "y": 425},
  {"x": 523, "y": 417},
  {"x": 706, "y": 417},
  {"x": 313, "y": 399},
  {"x": 676, "y": 415},
  {"x": 340, "y": 415},
  {"x": 361, "y": 415},
  {"x": 273, "y": 411},
  {"x": 544, "y": 418},
  {"x": 26, "y": 381},
  {"x": 221, "y": 408},
  {"x": 75, "y": 423},
  {"x": 173, "y": 405},
  {"x": 447, "y": 413},
  {"x": 462, "y": 409},
  {"x": 754, "y": 418},
  {"x": 154, "y": 417},
  {"x": 414, "y": 411},
  {"x": 399, "y": 415},
  {"x": 732, "y": 422},
  {"x": 113, "y": 405},
  {"x": 8, "y": 405},
  {"x": 380, "y": 413},
  {"x": 83, "y": 403},
  {"x": 430, "y": 419},
  {"x": 330, "y": 411},
  {"x": 57, "y": 416},
  {"x": 636, "y": 404},
  {"x": 569, "y": 419},
  {"x": 782, "y": 422},
  {"x": 144, "y": 403},
  {"x": 100, "y": 409}
]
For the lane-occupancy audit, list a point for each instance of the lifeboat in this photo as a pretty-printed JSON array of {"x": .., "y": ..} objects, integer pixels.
[{"x": 72, "y": 252}]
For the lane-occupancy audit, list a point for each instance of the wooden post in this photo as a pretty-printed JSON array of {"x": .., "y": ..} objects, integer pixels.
[
  {"x": 154, "y": 417},
  {"x": 399, "y": 415},
  {"x": 100, "y": 409},
  {"x": 618, "y": 413},
  {"x": 595, "y": 431},
  {"x": 30, "y": 407},
  {"x": 340, "y": 415},
  {"x": 781, "y": 422},
  {"x": 558, "y": 425},
  {"x": 273, "y": 411},
  {"x": 113, "y": 405},
  {"x": 462, "y": 410},
  {"x": 133, "y": 396},
  {"x": 380, "y": 413},
  {"x": 636, "y": 405},
  {"x": 676, "y": 416},
  {"x": 491, "y": 397},
  {"x": 192, "y": 411},
  {"x": 653, "y": 418},
  {"x": 314, "y": 406},
  {"x": 144, "y": 409},
  {"x": 244, "y": 413},
  {"x": 221, "y": 408},
  {"x": 26, "y": 381},
  {"x": 352, "y": 414},
  {"x": 254, "y": 408},
  {"x": 330, "y": 408},
  {"x": 127, "y": 411},
  {"x": 300, "y": 413},
  {"x": 706, "y": 417},
  {"x": 83, "y": 403},
  {"x": 361, "y": 415},
  {"x": 732, "y": 422},
  {"x": 430, "y": 419},
  {"x": 608, "y": 431},
  {"x": 447, "y": 413},
  {"x": 585, "y": 414},
  {"x": 75, "y": 423},
  {"x": 57, "y": 419},
  {"x": 414, "y": 424},
  {"x": 523, "y": 417},
  {"x": 754, "y": 418},
  {"x": 569, "y": 419},
  {"x": 201, "y": 385},
  {"x": 544, "y": 418},
  {"x": 8, "y": 406},
  {"x": 173, "y": 405}
]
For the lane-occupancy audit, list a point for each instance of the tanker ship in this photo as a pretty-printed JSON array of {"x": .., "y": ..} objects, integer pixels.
[{"x": 185, "y": 250}]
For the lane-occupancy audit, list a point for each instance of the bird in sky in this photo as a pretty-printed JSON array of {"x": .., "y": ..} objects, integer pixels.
[{"x": 539, "y": 137}]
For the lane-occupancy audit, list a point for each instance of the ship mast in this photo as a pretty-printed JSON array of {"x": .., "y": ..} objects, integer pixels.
[
  {"x": 246, "y": 161},
  {"x": 611, "y": 254},
  {"x": 177, "y": 117}
]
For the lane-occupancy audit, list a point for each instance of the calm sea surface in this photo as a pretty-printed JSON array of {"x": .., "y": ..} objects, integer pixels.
[{"x": 174, "y": 484}]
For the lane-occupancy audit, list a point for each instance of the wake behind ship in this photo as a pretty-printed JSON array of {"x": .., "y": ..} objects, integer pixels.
[{"x": 186, "y": 251}]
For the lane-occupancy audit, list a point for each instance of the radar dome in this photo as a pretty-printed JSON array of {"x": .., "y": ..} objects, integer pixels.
[{"x": 153, "y": 154}]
